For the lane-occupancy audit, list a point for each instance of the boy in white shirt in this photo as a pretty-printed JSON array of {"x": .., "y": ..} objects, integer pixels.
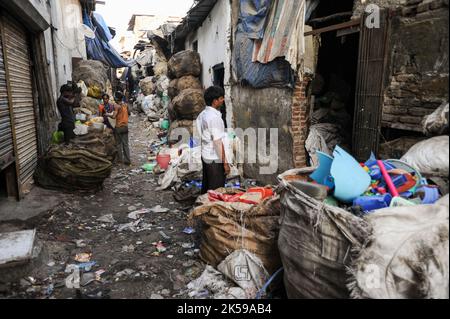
[{"x": 211, "y": 128}]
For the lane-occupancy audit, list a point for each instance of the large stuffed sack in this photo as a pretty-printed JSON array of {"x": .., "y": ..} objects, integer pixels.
[
  {"x": 437, "y": 122},
  {"x": 92, "y": 72},
  {"x": 430, "y": 157},
  {"x": 90, "y": 104},
  {"x": 227, "y": 227},
  {"x": 171, "y": 112},
  {"x": 184, "y": 63},
  {"x": 101, "y": 143},
  {"x": 160, "y": 69},
  {"x": 189, "y": 82},
  {"x": 408, "y": 255},
  {"x": 147, "y": 86},
  {"x": 316, "y": 242},
  {"x": 72, "y": 168},
  {"x": 189, "y": 104},
  {"x": 173, "y": 88}
]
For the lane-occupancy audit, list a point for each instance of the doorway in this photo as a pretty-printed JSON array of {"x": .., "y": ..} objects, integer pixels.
[
  {"x": 219, "y": 80},
  {"x": 332, "y": 91}
]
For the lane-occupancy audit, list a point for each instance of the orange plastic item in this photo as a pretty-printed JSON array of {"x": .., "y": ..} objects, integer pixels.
[{"x": 265, "y": 192}]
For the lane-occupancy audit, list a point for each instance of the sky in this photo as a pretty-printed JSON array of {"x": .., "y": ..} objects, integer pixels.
[{"x": 117, "y": 13}]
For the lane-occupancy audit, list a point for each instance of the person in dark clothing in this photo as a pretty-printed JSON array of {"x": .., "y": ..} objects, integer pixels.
[
  {"x": 212, "y": 131},
  {"x": 66, "y": 103}
]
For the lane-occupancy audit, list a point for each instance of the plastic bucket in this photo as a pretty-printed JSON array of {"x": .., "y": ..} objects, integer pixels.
[{"x": 163, "y": 160}]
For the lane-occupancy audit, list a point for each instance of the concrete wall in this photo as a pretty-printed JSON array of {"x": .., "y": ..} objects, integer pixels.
[
  {"x": 214, "y": 37},
  {"x": 66, "y": 16},
  {"x": 360, "y": 5},
  {"x": 43, "y": 8},
  {"x": 418, "y": 81},
  {"x": 213, "y": 41},
  {"x": 266, "y": 108}
]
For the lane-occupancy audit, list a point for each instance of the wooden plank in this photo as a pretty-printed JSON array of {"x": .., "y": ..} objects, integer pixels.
[{"x": 335, "y": 27}]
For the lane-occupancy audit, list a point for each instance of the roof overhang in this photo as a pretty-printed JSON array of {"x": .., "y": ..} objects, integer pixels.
[
  {"x": 27, "y": 13},
  {"x": 193, "y": 20}
]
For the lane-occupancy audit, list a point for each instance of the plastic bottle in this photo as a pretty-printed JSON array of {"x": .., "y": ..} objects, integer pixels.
[{"x": 370, "y": 203}]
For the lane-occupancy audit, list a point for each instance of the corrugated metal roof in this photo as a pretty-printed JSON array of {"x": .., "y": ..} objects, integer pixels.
[{"x": 193, "y": 19}]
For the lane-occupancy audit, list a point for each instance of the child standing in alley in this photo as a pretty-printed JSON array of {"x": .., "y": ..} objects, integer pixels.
[{"x": 120, "y": 114}]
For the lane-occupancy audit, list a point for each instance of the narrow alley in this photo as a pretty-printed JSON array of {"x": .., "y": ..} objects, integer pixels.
[
  {"x": 132, "y": 266},
  {"x": 194, "y": 151}
]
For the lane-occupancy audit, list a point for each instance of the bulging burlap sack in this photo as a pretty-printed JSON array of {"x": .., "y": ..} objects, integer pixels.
[
  {"x": 227, "y": 227},
  {"x": 147, "y": 86},
  {"x": 316, "y": 242},
  {"x": 189, "y": 104},
  {"x": 92, "y": 72},
  {"x": 189, "y": 82},
  {"x": 172, "y": 91},
  {"x": 184, "y": 63}
]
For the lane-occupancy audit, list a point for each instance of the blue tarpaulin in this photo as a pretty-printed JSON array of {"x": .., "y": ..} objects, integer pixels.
[
  {"x": 253, "y": 15},
  {"x": 102, "y": 27},
  {"x": 99, "y": 48},
  {"x": 277, "y": 73}
]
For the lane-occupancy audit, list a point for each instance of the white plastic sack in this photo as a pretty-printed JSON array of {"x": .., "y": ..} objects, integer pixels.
[
  {"x": 408, "y": 255},
  {"x": 246, "y": 270},
  {"x": 81, "y": 129},
  {"x": 189, "y": 162},
  {"x": 430, "y": 157},
  {"x": 212, "y": 284},
  {"x": 148, "y": 104},
  {"x": 322, "y": 137},
  {"x": 437, "y": 122},
  {"x": 162, "y": 84},
  {"x": 83, "y": 87},
  {"x": 232, "y": 147}
]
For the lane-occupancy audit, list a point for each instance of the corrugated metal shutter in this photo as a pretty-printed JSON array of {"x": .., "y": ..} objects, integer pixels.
[
  {"x": 20, "y": 79},
  {"x": 369, "y": 88},
  {"x": 6, "y": 140}
]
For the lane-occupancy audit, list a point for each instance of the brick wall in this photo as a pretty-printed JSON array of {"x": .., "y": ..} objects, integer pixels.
[
  {"x": 300, "y": 107},
  {"x": 418, "y": 81}
]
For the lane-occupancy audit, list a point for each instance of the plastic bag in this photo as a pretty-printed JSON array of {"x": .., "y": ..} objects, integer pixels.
[
  {"x": 407, "y": 257},
  {"x": 437, "y": 122},
  {"x": 95, "y": 92},
  {"x": 430, "y": 157},
  {"x": 57, "y": 137},
  {"x": 83, "y": 87}
]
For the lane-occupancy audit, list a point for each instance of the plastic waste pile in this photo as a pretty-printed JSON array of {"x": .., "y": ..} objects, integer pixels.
[{"x": 340, "y": 180}]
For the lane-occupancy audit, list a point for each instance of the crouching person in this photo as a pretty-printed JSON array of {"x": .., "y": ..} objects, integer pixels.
[{"x": 120, "y": 114}]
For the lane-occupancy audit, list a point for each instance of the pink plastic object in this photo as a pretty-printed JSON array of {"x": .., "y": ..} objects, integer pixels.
[{"x": 388, "y": 180}]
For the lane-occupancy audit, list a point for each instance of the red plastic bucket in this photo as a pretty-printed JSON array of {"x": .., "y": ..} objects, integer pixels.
[{"x": 163, "y": 160}]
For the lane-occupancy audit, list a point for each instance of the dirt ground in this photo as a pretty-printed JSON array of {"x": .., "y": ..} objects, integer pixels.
[{"x": 131, "y": 267}]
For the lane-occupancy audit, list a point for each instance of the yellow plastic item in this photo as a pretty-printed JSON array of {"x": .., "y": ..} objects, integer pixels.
[{"x": 95, "y": 92}]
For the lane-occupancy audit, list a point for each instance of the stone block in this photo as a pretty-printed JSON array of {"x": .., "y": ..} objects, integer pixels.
[
  {"x": 423, "y": 7},
  {"x": 408, "y": 11},
  {"x": 395, "y": 110},
  {"x": 436, "y": 4},
  {"x": 413, "y": 2},
  {"x": 419, "y": 111},
  {"x": 411, "y": 119}
]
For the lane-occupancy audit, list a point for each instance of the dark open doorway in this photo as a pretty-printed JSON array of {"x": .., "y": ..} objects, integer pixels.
[
  {"x": 334, "y": 86},
  {"x": 219, "y": 80},
  {"x": 336, "y": 74}
]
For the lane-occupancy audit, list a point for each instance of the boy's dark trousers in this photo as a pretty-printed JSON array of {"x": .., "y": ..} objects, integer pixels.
[
  {"x": 213, "y": 176},
  {"x": 123, "y": 149}
]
